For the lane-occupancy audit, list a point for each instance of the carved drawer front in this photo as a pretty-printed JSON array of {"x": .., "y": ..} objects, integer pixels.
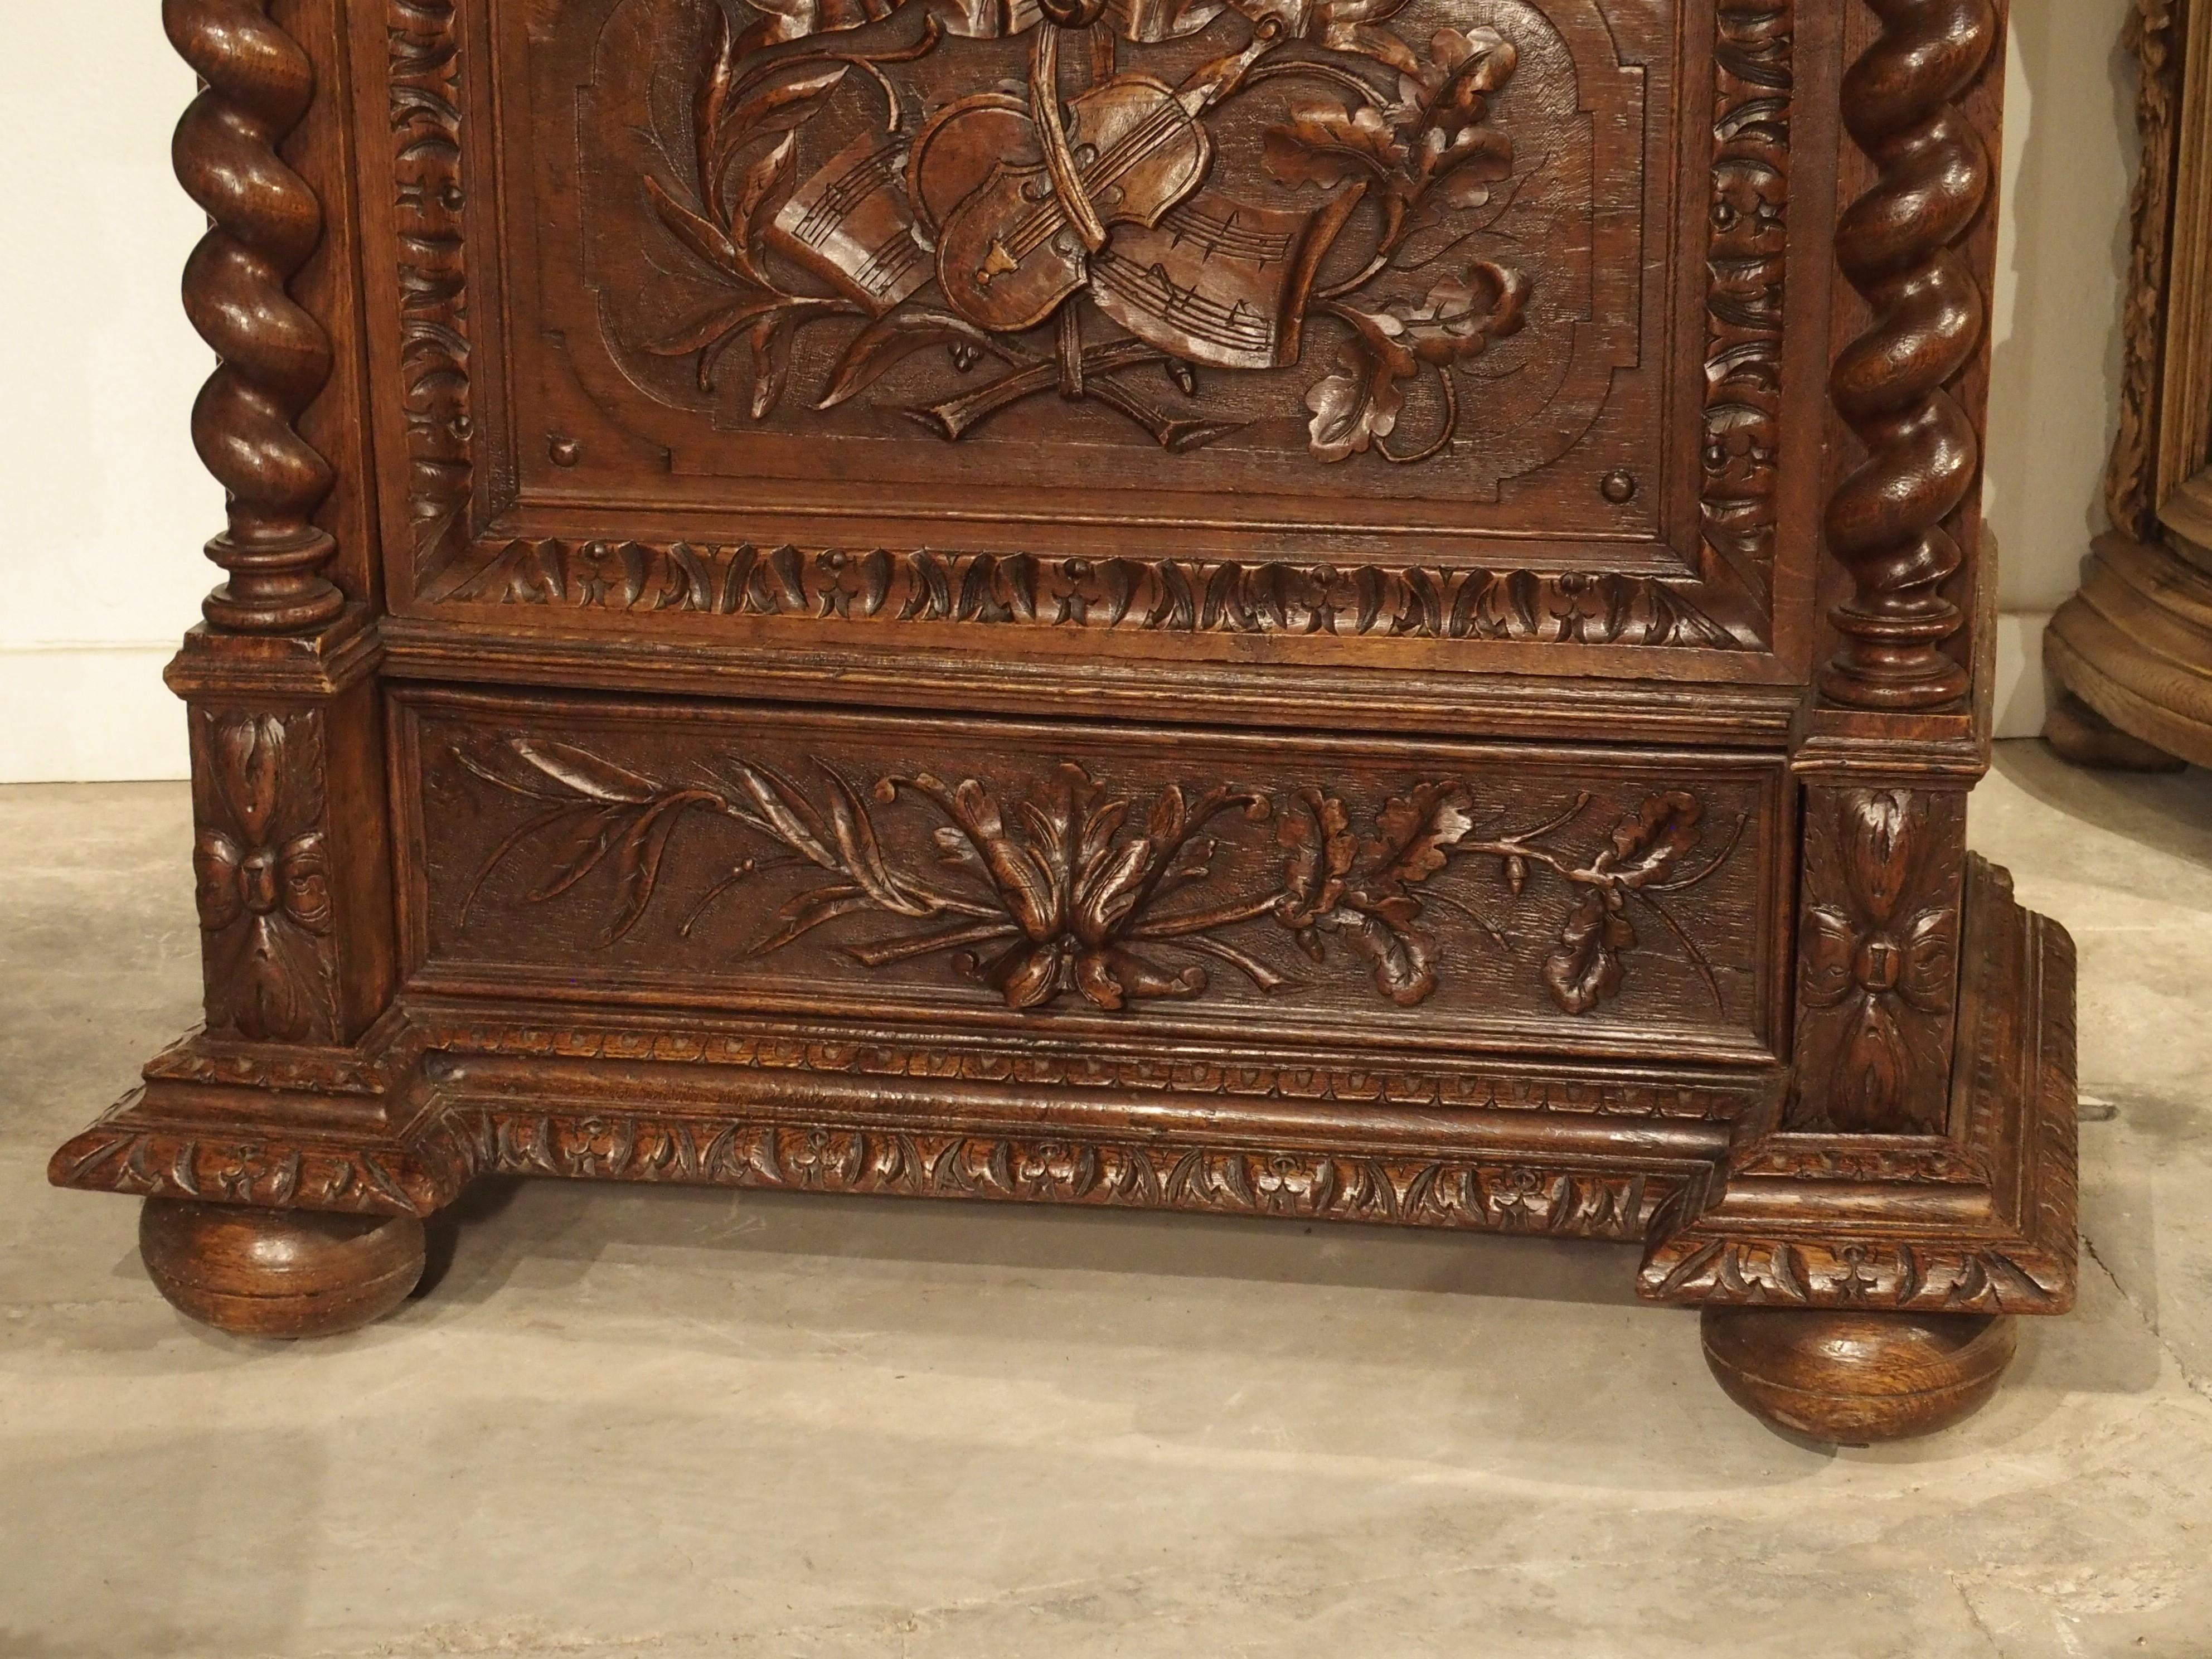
[
  {"x": 1117, "y": 325},
  {"x": 1290, "y": 889}
]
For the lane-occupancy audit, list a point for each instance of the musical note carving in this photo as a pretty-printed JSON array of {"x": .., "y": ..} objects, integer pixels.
[{"x": 1084, "y": 223}]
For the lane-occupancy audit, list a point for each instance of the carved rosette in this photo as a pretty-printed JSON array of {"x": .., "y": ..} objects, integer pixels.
[
  {"x": 275, "y": 356},
  {"x": 1900, "y": 246},
  {"x": 1878, "y": 960},
  {"x": 263, "y": 892}
]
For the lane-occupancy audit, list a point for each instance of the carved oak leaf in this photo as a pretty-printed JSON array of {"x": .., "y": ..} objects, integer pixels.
[
  {"x": 1352, "y": 26},
  {"x": 1355, "y": 406},
  {"x": 1586, "y": 969},
  {"x": 1359, "y": 404},
  {"x": 1403, "y": 956},
  {"x": 1647, "y": 846},
  {"x": 1325, "y": 144},
  {"x": 1453, "y": 89},
  {"x": 1322, "y": 850},
  {"x": 1417, "y": 832},
  {"x": 795, "y": 20}
]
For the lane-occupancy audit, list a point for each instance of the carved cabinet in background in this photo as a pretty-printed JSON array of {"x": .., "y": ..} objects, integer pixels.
[
  {"x": 1366, "y": 610},
  {"x": 2132, "y": 652}
]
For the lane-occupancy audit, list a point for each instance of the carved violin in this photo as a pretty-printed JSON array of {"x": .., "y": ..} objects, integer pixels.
[{"x": 1019, "y": 198}]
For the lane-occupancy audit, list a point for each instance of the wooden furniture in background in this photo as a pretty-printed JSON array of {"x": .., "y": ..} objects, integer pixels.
[
  {"x": 2132, "y": 652},
  {"x": 1353, "y": 611}
]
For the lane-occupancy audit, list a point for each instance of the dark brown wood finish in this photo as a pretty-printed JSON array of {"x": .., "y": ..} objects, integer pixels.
[
  {"x": 1206, "y": 606},
  {"x": 289, "y": 1273},
  {"x": 1855, "y": 1377}
]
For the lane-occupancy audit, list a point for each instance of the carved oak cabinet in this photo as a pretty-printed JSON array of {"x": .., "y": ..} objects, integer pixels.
[{"x": 1350, "y": 609}]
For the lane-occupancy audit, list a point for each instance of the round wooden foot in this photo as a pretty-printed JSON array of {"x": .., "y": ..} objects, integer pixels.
[
  {"x": 1854, "y": 1378},
  {"x": 279, "y": 1272},
  {"x": 2081, "y": 735}
]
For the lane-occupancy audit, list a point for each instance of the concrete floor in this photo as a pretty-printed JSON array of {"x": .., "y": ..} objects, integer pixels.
[{"x": 664, "y": 1423}]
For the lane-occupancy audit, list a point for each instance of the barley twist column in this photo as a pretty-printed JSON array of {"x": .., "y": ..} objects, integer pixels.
[
  {"x": 275, "y": 356},
  {"x": 1898, "y": 245}
]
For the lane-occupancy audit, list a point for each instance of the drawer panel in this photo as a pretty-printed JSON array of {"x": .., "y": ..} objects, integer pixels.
[{"x": 1074, "y": 878}]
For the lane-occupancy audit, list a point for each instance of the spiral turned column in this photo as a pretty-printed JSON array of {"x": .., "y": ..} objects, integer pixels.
[
  {"x": 1897, "y": 245},
  {"x": 275, "y": 356}
]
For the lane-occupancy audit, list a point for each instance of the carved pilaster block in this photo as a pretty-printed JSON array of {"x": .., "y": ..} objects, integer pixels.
[
  {"x": 290, "y": 852},
  {"x": 261, "y": 859},
  {"x": 1878, "y": 958}
]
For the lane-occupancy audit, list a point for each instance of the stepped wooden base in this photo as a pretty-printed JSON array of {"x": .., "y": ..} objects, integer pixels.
[
  {"x": 1856, "y": 1282},
  {"x": 2082, "y": 736},
  {"x": 1856, "y": 1378},
  {"x": 279, "y": 1272},
  {"x": 2135, "y": 646}
]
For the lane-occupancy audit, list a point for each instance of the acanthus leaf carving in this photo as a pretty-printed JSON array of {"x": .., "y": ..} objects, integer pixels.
[
  {"x": 1419, "y": 1190},
  {"x": 1745, "y": 260},
  {"x": 1149, "y": 594},
  {"x": 429, "y": 201}
]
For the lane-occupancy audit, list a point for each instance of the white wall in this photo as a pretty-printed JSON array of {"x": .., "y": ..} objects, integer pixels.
[
  {"x": 2063, "y": 255},
  {"x": 103, "y": 506}
]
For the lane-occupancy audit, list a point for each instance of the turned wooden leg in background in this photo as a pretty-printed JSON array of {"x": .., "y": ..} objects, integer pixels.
[
  {"x": 2079, "y": 734},
  {"x": 279, "y": 1272},
  {"x": 1854, "y": 1378}
]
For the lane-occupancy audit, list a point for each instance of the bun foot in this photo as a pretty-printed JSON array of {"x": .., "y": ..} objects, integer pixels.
[
  {"x": 2082, "y": 736},
  {"x": 1856, "y": 1378},
  {"x": 279, "y": 1273}
]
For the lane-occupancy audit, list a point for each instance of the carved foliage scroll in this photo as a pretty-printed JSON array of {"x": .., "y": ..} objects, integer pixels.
[
  {"x": 426, "y": 128},
  {"x": 1878, "y": 959},
  {"x": 1076, "y": 889},
  {"x": 1095, "y": 201},
  {"x": 261, "y": 860},
  {"x": 1744, "y": 305}
]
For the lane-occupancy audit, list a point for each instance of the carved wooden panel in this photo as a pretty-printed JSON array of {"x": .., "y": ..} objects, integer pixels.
[
  {"x": 1878, "y": 958},
  {"x": 262, "y": 860},
  {"x": 1053, "y": 876},
  {"x": 1155, "y": 319}
]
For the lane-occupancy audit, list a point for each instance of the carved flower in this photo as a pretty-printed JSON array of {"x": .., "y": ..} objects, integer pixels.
[
  {"x": 263, "y": 878},
  {"x": 1075, "y": 890},
  {"x": 1875, "y": 962}
]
